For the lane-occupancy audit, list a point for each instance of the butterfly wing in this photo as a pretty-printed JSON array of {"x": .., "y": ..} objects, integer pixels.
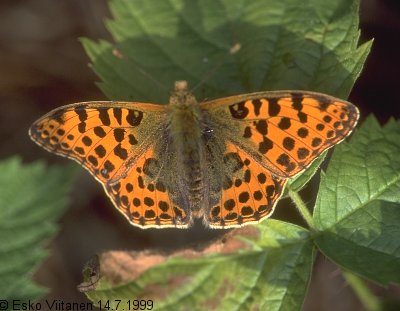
[
  {"x": 246, "y": 193},
  {"x": 116, "y": 142},
  {"x": 284, "y": 131},
  {"x": 271, "y": 136}
]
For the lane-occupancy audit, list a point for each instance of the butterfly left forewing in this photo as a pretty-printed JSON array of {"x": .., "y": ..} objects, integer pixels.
[{"x": 284, "y": 131}]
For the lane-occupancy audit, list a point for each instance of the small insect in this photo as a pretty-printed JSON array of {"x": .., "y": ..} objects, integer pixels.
[{"x": 225, "y": 161}]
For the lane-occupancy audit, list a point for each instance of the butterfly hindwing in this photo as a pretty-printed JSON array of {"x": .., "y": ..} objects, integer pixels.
[
  {"x": 144, "y": 197},
  {"x": 248, "y": 193}
]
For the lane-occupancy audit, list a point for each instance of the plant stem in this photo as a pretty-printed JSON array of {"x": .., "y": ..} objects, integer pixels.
[
  {"x": 303, "y": 210},
  {"x": 367, "y": 298}
]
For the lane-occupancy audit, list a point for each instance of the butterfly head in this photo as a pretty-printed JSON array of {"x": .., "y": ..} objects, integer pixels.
[{"x": 181, "y": 97}]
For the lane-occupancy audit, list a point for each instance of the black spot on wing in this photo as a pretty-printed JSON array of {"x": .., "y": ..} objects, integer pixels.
[
  {"x": 262, "y": 127},
  {"x": 82, "y": 127},
  {"x": 117, "y": 112},
  {"x": 104, "y": 117},
  {"x": 132, "y": 139},
  {"x": 98, "y": 130},
  {"x": 284, "y": 123},
  {"x": 273, "y": 107},
  {"x": 288, "y": 143},
  {"x": 257, "y": 105},
  {"x": 119, "y": 134},
  {"x": 265, "y": 145},
  {"x": 81, "y": 112},
  {"x": 134, "y": 117},
  {"x": 239, "y": 110},
  {"x": 297, "y": 99},
  {"x": 302, "y": 132},
  {"x": 323, "y": 102},
  {"x": 244, "y": 197},
  {"x": 92, "y": 160},
  {"x": 120, "y": 152},
  {"x": 302, "y": 153},
  {"x": 100, "y": 151},
  {"x": 87, "y": 141},
  {"x": 302, "y": 117}
]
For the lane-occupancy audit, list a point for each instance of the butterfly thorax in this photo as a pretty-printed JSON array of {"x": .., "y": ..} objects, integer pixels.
[{"x": 186, "y": 140}]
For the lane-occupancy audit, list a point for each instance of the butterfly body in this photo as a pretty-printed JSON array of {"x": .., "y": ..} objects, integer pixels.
[
  {"x": 225, "y": 161},
  {"x": 186, "y": 141}
]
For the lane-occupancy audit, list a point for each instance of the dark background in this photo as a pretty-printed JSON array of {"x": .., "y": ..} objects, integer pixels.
[{"x": 43, "y": 66}]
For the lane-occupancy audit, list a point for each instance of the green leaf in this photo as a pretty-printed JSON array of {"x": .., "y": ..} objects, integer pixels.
[
  {"x": 358, "y": 205},
  {"x": 298, "y": 182},
  {"x": 32, "y": 197},
  {"x": 284, "y": 45},
  {"x": 252, "y": 269}
]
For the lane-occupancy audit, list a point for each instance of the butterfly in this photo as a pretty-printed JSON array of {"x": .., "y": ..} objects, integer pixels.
[{"x": 225, "y": 161}]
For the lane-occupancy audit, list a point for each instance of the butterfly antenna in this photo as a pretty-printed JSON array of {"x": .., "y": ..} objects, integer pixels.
[
  {"x": 118, "y": 54},
  {"x": 233, "y": 50}
]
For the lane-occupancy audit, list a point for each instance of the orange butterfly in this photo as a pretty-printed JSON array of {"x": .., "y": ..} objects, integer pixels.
[{"x": 225, "y": 161}]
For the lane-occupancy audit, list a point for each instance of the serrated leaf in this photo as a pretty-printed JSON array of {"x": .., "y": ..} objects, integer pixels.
[
  {"x": 358, "y": 205},
  {"x": 284, "y": 45},
  {"x": 253, "y": 268},
  {"x": 32, "y": 197}
]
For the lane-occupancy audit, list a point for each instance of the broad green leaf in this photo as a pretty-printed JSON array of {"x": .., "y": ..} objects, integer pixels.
[
  {"x": 254, "y": 268},
  {"x": 358, "y": 205},
  {"x": 32, "y": 197},
  {"x": 284, "y": 45}
]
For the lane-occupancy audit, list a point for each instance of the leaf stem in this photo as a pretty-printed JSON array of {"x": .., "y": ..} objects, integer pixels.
[
  {"x": 367, "y": 298},
  {"x": 302, "y": 208}
]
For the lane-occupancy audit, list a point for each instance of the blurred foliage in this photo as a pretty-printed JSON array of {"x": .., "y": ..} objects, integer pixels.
[{"x": 32, "y": 198}]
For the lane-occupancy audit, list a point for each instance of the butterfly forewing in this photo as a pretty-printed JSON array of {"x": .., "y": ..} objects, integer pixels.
[
  {"x": 283, "y": 131},
  {"x": 102, "y": 136}
]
